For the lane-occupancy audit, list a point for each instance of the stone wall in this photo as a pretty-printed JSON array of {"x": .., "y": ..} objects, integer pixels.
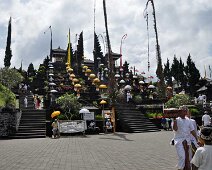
[{"x": 8, "y": 122}]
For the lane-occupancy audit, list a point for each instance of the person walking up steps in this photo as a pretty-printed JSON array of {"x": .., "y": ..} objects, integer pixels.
[
  {"x": 206, "y": 119},
  {"x": 38, "y": 101},
  {"x": 25, "y": 101}
]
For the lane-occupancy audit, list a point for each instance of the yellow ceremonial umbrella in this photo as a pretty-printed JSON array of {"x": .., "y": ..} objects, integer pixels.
[{"x": 55, "y": 113}]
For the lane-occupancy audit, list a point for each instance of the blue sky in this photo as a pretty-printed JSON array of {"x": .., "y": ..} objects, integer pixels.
[{"x": 183, "y": 27}]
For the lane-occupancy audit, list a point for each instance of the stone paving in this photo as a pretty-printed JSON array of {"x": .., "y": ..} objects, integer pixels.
[{"x": 120, "y": 151}]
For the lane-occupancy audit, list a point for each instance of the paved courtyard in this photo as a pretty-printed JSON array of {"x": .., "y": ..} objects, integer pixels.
[{"x": 120, "y": 151}]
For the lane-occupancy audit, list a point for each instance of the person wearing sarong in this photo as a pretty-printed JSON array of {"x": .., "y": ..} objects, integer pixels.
[{"x": 183, "y": 127}]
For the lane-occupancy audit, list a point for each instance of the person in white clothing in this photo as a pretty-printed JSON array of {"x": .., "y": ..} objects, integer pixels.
[
  {"x": 183, "y": 127},
  {"x": 206, "y": 119},
  {"x": 194, "y": 142},
  {"x": 202, "y": 159},
  {"x": 25, "y": 101},
  {"x": 200, "y": 99},
  {"x": 129, "y": 96}
]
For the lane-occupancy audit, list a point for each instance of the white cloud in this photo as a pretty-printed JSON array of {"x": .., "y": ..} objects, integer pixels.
[{"x": 183, "y": 27}]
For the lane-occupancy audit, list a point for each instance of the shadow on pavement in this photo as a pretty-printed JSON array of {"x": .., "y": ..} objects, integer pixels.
[{"x": 121, "y": 136}]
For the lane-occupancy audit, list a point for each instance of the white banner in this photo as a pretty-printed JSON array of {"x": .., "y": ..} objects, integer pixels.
[
  {"x": 72, "y": 126},
  {"x": 88, "y": 116}
]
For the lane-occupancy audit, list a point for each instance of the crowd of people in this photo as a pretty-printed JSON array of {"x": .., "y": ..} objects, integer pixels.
[
  {"x": 38, "y": 102},
  {"x": 193, "y": 147}
]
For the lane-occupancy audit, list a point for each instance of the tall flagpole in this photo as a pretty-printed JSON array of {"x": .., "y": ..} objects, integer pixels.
[
  {"x": 122, "y": 39},
  {"x": 69, "y": 49}
]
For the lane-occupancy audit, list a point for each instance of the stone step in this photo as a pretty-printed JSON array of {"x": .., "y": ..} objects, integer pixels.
[
  {"x": 31, "y": 131},
  {"x": 136, "y": 120},
  {"x": 133, "y": 120},
  {"x": 133, "y": 116},
  {"x": 32, "y": 127},
  {"x": 35, "y": 124},
  {"x": 146, "y": 130},
  {"x": 139, "y": 122},
  {"x": 32, "y": 121},
  {"x": 24, "y": 136}
]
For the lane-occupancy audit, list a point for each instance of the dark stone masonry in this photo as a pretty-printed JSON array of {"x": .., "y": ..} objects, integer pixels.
[{"x": 8, "y": 122}]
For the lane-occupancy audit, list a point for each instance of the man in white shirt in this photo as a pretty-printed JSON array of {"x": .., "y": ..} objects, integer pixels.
[
  {"x": 183, "y": 127},
  {"x": 202, "y": 159},
  {"x": 194, "y": 142},
  {"x": 206, "y": 119},
  {"x": 200, "y": 99}
]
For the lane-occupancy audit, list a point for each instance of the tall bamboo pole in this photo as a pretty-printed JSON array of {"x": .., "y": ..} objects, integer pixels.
[
  {"x": 111, "y": 83},
  {"x": 159, "y": 71}
]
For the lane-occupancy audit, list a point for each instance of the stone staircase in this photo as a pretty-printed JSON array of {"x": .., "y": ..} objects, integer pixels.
[
  {"x": 32, "y": 122},
  {"x": 133, "y": 120}
]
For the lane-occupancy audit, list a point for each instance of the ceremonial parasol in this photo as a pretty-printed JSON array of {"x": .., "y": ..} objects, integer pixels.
[{"x": 55, "y": 113}]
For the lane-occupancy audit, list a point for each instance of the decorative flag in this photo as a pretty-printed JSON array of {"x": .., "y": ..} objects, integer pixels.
[
  {"x": 205, "y": 71},
  {"x": 210, "y": 70},
  {"x": 69, "y": 49}
]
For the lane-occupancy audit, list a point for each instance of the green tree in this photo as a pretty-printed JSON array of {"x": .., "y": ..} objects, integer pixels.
[
  {"x": 160, "y": 75},
  {"x": 97, "y": 53},
  {"x": 175, "y": 69},
  {"x": 79, "y": 55},
  {"x": 39, "y": 80},
  {"x": 8, "y": 52},
  {"x": 31, "y": 72},
  {"x": 192, "y": 74},
  {"x": 168, "y": 73},
  {"x": 182, "y": 76},
  {"x": 70, "y": 105},
  {"x": 10, "y": 77},
  {"x": 125, "y": 68}
]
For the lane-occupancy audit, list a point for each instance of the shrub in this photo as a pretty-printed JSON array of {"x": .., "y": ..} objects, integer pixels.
[
  {"x": 194, "y": 111},
  {"x": 154, "y": 115},
  {"x": 7, "y": 97},
  {"x": 10, "y": 77},
  {"x": 137, "y": 99},
  {"x": 178, "y": 100},
  {"x": 99, "y": 117},
  {"x": 69, "y": 105}
]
